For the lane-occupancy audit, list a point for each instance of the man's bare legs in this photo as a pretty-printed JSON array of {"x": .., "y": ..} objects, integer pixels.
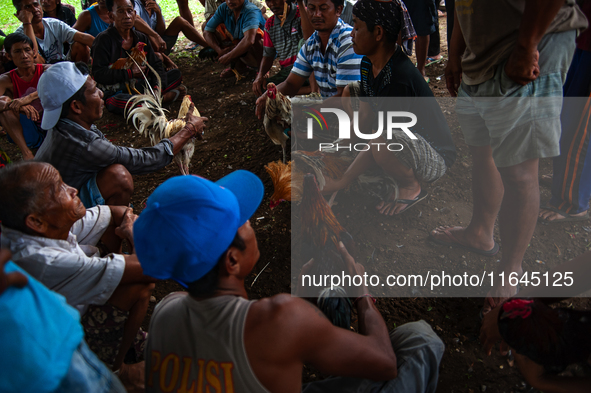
[
  {"x": 254, "y": 56},
  {"x": 134, "y": 298},
  {"x": 12, "y": 125},
  {"x": 116, "y": 185},
  {"x": 80, "y": 52},
  {"x": 421, "y": 52},
  {"x": 513, "y": 193},
  {"x": 185, "y": 11},
  {"x": 180, "y": 24},
  {"x": 517, "y": 221},
  {"x": 487, "y": 195}
]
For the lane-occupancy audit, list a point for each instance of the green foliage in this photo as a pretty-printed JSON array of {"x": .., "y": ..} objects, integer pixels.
[{"x": 9, "y": 23}]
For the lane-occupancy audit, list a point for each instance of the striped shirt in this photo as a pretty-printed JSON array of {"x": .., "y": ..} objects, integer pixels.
[
  {"x": 337, "y": 67},
  {"x": 283, "y": 41}
]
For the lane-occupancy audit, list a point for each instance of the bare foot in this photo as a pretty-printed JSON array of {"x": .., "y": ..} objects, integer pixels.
[
  {"x": 550, "y": 215},
  {"x": 499, "y": 293},
  {"x": 172, "y": 95},
  {"x": 392, "y": 207},
  {"x": 455, "y": 236},
  {"x": 132, "y": 377},
  {"x": 27, "y": 155}
]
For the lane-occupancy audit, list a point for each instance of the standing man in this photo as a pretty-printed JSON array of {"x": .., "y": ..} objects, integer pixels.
[
  {"x": 52, "y": 33},
  {"x": 520, "y": 51},
  {"x": 256, "y": 345},
  {"x": 243, "y": 26},
  {"x": 20, "y": 114}
]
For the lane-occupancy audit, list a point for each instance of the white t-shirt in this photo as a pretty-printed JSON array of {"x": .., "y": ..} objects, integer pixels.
[{"x": 56, "y": 33}]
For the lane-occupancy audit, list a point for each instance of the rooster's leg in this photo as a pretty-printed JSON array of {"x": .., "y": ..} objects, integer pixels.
[
  {"x": 283, "y": 148},
  {"x": 128, "y": 90}
]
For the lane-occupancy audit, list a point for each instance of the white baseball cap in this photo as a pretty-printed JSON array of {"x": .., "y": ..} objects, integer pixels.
[{"x": 57, "y": 85}]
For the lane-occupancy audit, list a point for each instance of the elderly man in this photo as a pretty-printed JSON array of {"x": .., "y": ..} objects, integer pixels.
[
  {"x": 328, "y": 53},
  {"x": 117, "y": 42},
  {"x": 241, "y": 25},
  {"x": 85, "y": 159},
  {"x": 20, "y": 113},
  {"x": 53, "y": 238},
  {"x": 261, "y": 345},
  {"x": 52, "y": 33}
]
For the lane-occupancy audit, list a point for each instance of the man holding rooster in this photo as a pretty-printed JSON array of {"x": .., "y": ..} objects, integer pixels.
[
  {"x": 121, "y": 41},
  {"x": 256, "y": 346},
  {"x": 85, "y": 159}
]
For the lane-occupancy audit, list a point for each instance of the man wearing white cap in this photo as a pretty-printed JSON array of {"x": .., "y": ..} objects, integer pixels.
[
  {"x": 85, "y": 159},
  {"x": 198, "y": 233}
]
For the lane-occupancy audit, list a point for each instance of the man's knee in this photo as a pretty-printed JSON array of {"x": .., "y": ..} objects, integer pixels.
[
  {"x": 115, "y": 176},
  {"x": 414, "y": 337},
  {"x": 521, "y": 175}
]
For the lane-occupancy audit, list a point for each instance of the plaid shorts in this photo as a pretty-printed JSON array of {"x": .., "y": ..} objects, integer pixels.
[{"x": 103, "y": 332}]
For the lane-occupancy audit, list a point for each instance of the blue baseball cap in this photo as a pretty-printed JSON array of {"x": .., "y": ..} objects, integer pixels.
[
  {"x": 57, "y": 85},
  {"x": 189, "y": 222}
]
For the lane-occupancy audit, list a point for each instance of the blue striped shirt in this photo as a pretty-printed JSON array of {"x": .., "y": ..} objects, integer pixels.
[{"x": 337, "y": 67}]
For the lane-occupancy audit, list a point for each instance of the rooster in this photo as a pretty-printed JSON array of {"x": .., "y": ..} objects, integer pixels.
[
  {"x": 135, "y": 56},
  {"x": 277, "y": 118},
  {"x": 553, "y": 338},
  {"x": 321, "y": 233},
  {"x": 150, "y": 120}
]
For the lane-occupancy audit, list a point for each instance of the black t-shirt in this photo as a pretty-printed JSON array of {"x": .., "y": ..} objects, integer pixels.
[{"x": 400, "y": 78}]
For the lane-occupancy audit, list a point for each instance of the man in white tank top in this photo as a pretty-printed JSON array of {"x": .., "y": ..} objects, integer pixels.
[{"x": 214, "y": 339}]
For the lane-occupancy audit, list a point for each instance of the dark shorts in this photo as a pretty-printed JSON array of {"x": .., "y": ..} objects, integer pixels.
[
  {"x": 423, "y": 14},
  {"x": 170, "y": 42}
]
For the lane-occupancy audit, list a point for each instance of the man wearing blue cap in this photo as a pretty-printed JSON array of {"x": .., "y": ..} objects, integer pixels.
[
  {"x": 85, "y": 159},
  {"x": 198, "y": 233}
]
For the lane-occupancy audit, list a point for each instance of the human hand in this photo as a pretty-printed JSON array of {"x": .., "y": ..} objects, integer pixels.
[
  {"x": 30, "y": 112},
  {"x": 522, "y": 66},
  {"x": 16, "y": 279},
  {"x": 260, "y": 105},
  {"x": 353, "y": 269},
  {"x": 151, "y": 7},
  {"x": 16, "y": 104},
  {"x": 24, "y": 16},
  {"x": 489, "y": 332},
  {"x": 532, "y": 372},
  {"x": 158, "y": 43},
  {"x": 258, "y": 85},
  {"x": 453, "y": 75},
  {"x": 138, "y": 72},
  {"x": 197, "y": 122},
  {"x": 225, "y": 59},
  {"x": 125, "y": 229}
]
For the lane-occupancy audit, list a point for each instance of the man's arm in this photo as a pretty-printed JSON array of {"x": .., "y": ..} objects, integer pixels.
[
  {"x": 101, "y": 59},
  {"x": 307, "y": 28},
  {"x": 289, "y": 87},
  {"x": 84, "y": 22},
  {"x": 522, "y": 66},
  {"x": 155, "y": 39},
  {"x": 212, "y": 24},
  {"x": 5, "y": 86},
  {"x": 257, "y": 85},
  {"x": 84, "y": 38},
  {"x": 160, "y": 25},
  {"x": 296, "y": 332},
  {"x": 457, "y": 47},
  {"x": 243, "y": 46}
]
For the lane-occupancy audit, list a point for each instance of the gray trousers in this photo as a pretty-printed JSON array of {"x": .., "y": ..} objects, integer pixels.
[{"x": 418, "y": 354}]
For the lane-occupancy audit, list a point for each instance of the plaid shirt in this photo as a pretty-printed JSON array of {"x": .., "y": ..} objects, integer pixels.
[{"x": 79, "y": 154}]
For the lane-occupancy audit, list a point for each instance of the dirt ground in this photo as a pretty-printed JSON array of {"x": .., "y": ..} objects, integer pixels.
[{"x": 235, "y": 139}]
